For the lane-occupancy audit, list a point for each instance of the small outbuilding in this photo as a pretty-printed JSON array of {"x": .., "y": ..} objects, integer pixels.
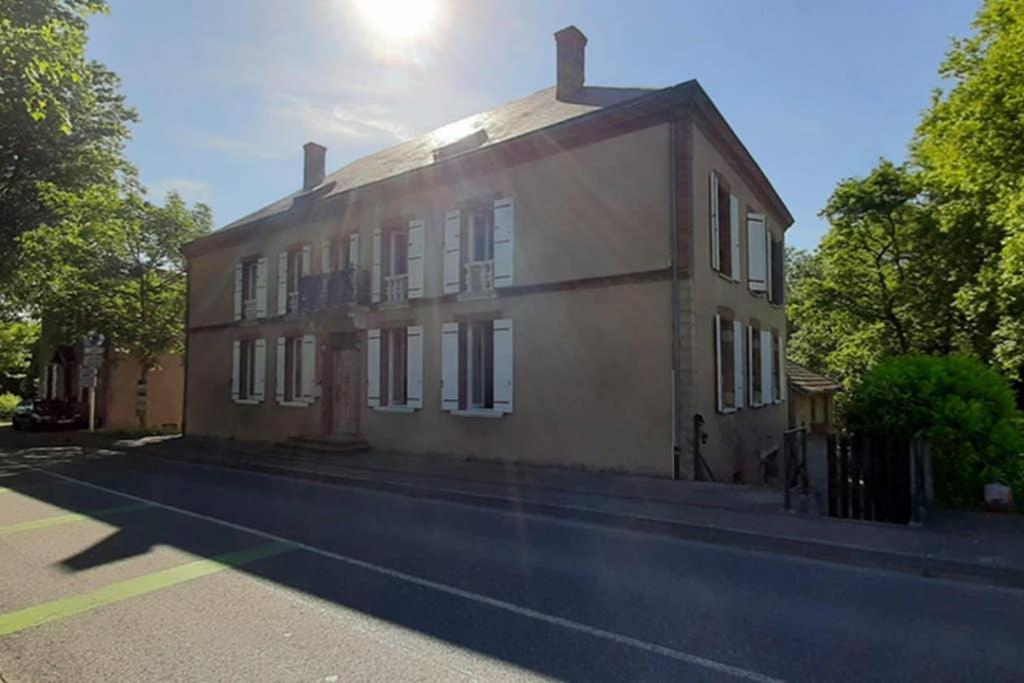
[{"x": 812, "y": 399}]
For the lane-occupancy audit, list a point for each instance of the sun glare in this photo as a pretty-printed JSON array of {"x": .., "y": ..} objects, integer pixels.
[{"x": 398, "y": 20}]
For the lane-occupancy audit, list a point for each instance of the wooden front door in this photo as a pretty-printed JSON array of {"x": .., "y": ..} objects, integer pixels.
[{"x": 345, "y": 391}]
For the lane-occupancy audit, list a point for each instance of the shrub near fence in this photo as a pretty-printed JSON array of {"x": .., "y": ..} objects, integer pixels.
[
  {"x": 962, "y": 408},
  {"x": 8, "y": 402}
]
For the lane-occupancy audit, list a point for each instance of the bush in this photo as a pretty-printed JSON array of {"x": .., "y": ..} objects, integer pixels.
[
  {"x": 963, "y": 409},
  {"x": 8, "y": 402}
]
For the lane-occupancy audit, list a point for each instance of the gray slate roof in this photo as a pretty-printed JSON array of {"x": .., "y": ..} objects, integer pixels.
[{"x": 508, "y": 121}]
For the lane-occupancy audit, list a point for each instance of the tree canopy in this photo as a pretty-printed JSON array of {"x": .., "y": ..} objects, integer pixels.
[
  {"x": 928, "y": 256},
  {"x": 63, "y": 120}
]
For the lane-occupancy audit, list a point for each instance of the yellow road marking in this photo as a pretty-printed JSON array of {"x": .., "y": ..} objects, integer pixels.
[
  {"x": 71, "y": 517},
  {"x": 12, "y": 622}
]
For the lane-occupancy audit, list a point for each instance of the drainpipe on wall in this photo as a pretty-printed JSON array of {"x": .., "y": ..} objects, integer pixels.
[
  {"x": 677, "y": 431},
  {"x": 188, "y": 302}
]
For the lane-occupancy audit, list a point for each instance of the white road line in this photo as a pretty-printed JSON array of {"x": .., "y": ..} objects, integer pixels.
[{"x": 696, "y": 660}]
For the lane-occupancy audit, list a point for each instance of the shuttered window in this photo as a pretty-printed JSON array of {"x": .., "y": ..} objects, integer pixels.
[
  {"x": 296, "y": 367},
  {"x": 477, "y": 367},
  {"x": 755, "y": 358},
  {"x": 728, "y": 362},
  {"x": 724, "y": 228},
  {"x": 248, "y": 370},
  {"x": 757, "y": 252},
  {"x": 395, "y": 367}
]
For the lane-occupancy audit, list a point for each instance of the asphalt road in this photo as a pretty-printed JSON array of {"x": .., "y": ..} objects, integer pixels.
[{"x": 128, "y": 568}]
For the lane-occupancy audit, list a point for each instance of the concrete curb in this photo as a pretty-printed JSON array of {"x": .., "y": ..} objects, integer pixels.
[{"x": 856, "y": 555}]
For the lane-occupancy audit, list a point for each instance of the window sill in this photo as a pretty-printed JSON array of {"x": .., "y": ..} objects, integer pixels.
[
  {"x": 390, "y": 305},
  {"x": 295, "y": 404},
  {"x": 728, "y": 411},
  {"x": 726, "y": 277},
  {"x": 478, "y": 296},
  {"x": 405, "y": 410},
  {"x": 247, "y": 401},
  {"x": 478, "y": 412}
]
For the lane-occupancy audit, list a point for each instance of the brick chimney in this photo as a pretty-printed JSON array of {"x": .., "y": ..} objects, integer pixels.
[
  {"x": 571, "y": 48},
  {"x": 313, "y": 165}
]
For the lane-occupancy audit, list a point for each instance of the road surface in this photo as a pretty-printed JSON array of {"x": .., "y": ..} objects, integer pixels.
[{"x": 118, "y": 567}]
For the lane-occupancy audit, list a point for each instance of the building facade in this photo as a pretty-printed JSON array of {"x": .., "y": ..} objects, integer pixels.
[{"x": 569, "y": 279}]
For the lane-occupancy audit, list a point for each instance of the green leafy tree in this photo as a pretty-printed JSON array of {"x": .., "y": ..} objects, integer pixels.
[
  {"x": 17, "y": 338},
  {"x": 879, "y": 283},
  {"x": 111, "y": 262},
  {"x": 62, "y": 118},
  {"x": 970, "y": 148}
]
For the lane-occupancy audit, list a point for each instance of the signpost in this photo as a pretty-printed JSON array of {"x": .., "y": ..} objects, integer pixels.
[{"x": 92, "y": 361}]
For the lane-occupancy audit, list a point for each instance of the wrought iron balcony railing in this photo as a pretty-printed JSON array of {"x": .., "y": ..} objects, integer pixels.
[{"x": 332, "y": 291}]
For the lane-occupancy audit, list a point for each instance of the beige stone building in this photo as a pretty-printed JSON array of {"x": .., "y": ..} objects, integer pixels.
[{"x": 569, "y": 279}]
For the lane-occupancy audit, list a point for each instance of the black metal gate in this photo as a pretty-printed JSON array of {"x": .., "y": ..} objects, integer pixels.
[{"x": 870, "y": 479}]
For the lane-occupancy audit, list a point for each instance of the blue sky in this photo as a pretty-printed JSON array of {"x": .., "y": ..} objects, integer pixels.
[{"x": 229, "y": 91}]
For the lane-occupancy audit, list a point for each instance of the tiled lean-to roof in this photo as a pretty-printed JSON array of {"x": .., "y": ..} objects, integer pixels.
[{"x": 809, "y": 382}]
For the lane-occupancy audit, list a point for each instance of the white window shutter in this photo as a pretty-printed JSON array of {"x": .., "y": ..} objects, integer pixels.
[
  {"x": 713, "y": 203},
  {"x": 282, "y": 283},
  {"x": 737, "y": 361},
  {"x": 415, "y": 259},
  {"x": 756, "y": 262},
  {"x": 783, "y": 384},
  {"x": 261, "y": 288},
  {"x": 308, "y": 366},
  {"x": 750, "y": 366},
  {"x": 373, "y": 368},
  {"x": 353, "y": 251},
  {"x": 377, "y": 276},
  {"x": 450, "y": 366},
  {"x": 504, "y": 366},
  {"x": 504, "y": 241},
  {"x": 766, "y": 367},
  {"x": 325, "y": 256},
  {"x": 734, "y": 235},
  {"x": 307, "y": 256},
  {"x": 236, "y": 357},
  {"x": 279, "y": 370},
  {"x": 414, "y": 366},
  {"x": 452, "y": 259},
  {"x": 238, "y": 291},
  {"x": 718, "y": 364},
  {"x": 260, "y": 362}
]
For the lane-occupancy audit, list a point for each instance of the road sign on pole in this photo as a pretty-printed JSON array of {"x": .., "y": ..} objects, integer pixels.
[{"x": 92, "y": 361}]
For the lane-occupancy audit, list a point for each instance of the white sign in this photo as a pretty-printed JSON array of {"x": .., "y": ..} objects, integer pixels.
[
  {"x": 87, "y": 376},
  {"x": 92, "y": 360}
]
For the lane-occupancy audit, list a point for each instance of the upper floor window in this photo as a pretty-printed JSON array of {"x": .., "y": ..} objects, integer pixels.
[
  {"x": 725, "y": 228},
  {"x": 251, "y": 289},
  {"x": 398, "y": 263},
  {"x": 479, "y": 245},
  {"x": 292, "y": 266},
  {"x": 757, "y": 252}
]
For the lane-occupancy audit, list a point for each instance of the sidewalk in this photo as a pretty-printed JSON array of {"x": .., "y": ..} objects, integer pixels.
[{"x": 962, "y": 545}]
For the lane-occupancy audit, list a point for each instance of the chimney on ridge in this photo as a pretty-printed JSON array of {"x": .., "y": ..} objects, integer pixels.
[
  {"x": 571, "y": 47},
  {"x": 313, "y": 165}
]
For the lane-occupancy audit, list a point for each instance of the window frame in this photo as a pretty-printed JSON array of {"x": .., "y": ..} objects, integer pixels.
[
  {"x": 292, "y": 393},
  {"x": 754, "y": 372},
  {"x": 486, "y": 214},
  {"x": 478, "y": 351},
  {"x": 394, "y": 370},
  {"x": 246, "y": 369},
  {"x": 726, "y": 338}
]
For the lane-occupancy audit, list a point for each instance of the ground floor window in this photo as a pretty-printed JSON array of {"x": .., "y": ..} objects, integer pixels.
[
  {"x": 756, "y": 360},
  {"x": 394, "y": 361},
  {"x": 246, "y": 368},
  {"x": 477, "y": 349},
  {"x": 477, "y": 367},
  {"x": 292, "y": 368},
  {"x": 394, "y": 378}
]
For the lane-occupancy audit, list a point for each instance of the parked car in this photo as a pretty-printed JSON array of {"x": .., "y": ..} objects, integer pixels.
[{"x": 46, "y": 414}]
